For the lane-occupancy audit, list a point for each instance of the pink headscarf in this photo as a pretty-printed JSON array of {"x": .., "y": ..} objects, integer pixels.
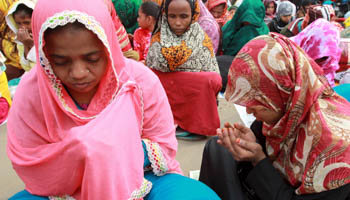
[
  {"x": 57, "y": 149},
  {"x": 209, "y": 25},
  {"x": 321, "y": 39},
  {"x": 310, "y": 144}
]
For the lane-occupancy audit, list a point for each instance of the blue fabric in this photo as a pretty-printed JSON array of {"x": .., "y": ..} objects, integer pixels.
[
  {"x": 169, "y": 187},
  {"x": 145, "y": 155},
  {"x": 343, "y": 90},
  {"x": 175, "y": 186},
  {"x": 25, "y": 195}
]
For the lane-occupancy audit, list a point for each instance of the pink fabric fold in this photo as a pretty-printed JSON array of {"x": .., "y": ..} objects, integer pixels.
[
  {"x": 57, "y": 149},
  {"x": 321, "y": 39}
]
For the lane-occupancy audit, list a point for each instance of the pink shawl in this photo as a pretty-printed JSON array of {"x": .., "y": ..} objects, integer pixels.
[
  {"x": 209, "y": 25},
  {"x": 309, "y": 145},
  {"x": 321, "y": 39},
  {"x": 59, "y": 150}
]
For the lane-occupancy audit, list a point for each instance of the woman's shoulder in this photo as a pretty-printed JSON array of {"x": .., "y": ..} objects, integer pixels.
[{"x": 141, "y": 74}]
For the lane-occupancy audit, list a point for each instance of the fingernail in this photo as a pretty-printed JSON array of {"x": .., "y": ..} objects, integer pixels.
[{"x": 238, "y": 140}]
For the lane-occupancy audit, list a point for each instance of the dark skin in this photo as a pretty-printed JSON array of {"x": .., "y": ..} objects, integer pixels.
[{"x": 79, "y": 59}]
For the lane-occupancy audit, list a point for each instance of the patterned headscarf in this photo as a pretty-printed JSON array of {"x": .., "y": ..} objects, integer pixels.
[
  {"x": 309, "y": 145},
  {"x": 313, "y": 13},
  {"x": 192, "y": 51},
  {"x": 321, "y": 39}
]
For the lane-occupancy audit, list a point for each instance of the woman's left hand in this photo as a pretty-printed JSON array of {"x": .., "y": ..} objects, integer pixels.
[{"x": 241, "y": 142}]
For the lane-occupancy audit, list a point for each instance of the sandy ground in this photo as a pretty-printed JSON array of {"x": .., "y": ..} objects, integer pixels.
[{"x": 189, "y": 154}]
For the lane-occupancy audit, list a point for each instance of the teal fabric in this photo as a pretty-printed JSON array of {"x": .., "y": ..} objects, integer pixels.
[
  {"x": 145, "y": 154},
  {"x": 25, "y": 195},
  {"x": 236, "y": 32},
  {"x": 343, "y": 90},
  {"x": 175, "y": 187},
  {"x": 168, "y": 186}
]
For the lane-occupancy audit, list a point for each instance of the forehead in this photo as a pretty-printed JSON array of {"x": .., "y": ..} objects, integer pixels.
[
  {"x": 70, "y": 40},
  {"x": 179, "y": 5}
]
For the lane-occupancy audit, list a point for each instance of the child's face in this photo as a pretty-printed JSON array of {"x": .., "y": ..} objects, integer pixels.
[
  {"x": 179, "y": 16},
  {"x": 286, "y": 19},
  {"x": 218, "y": 11},
  {"x": 23, "y": 21},
  {"x": 78, "y": 58},
  {"x": 270, "y": 8},
  {"x": 143, "y": 20}
]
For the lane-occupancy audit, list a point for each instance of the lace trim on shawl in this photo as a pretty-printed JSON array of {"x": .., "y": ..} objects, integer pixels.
[
  {"x": 65, "y": 197},
  {"x": 144, "y": 189},
  {"x": 61, "y": 19},
  {"x": 137, "y": 194},
  {"x": 155, "y": 156}
]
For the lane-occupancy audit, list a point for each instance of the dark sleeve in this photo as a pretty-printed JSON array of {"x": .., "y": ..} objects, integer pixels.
[
  {"x": 286, "y": 32},
  {"x": 268, "y": 182}
]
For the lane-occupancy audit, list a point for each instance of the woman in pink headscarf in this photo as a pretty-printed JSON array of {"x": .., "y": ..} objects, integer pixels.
[
  {"x": 85, "y": 121},
  {"x": 320, "y": 40}
]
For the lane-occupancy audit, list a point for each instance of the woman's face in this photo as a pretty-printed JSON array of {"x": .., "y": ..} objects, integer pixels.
[
  {"x": 179, "y": 16},
  {"x": 78, "y": 58},
  {"x": 270, "y": 8},
  {"x": 142, "y": 20},
  {"x": 286, "y": 19},
  {"x": 218, "y": 11},
  {"x": 264, "y": 114}
]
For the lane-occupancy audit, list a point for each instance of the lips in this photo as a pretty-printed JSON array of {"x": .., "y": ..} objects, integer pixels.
[{"x": 82, "y": 86}]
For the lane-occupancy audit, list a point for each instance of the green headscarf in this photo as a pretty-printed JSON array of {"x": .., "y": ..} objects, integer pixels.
[
  {"x": 235, "y": 34},
  {"x": 127, "y": 11}
]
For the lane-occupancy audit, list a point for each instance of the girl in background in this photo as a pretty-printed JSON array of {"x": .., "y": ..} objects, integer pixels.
[
  {"x": 270, "y": 10},
  {"x": 148, "y": 14},
  {"x": 218, "y": 8},
  {"x": 19, "y": 18}
]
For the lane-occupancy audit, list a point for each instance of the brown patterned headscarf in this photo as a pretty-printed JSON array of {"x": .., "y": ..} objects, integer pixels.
[{"x": 192, "y": 51}]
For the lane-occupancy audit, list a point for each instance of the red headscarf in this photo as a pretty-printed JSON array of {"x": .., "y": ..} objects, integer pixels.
[{"x": 309, "y": 145}]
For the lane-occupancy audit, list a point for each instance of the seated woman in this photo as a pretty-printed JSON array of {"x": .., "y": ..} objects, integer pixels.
[
  {"x": 247, "y": 23},
  {"x": 270, "y": 10},
  {"x": 320, "y": 40},
  {"x": 314, "y": 12},
  {"x": 284, "y": 15},
  {"x": 18, "y": 18},
  {"x": 92, "y": 122},
  {"x": 182, "y": 56},
  {"x": 306, "y": 129},
  {"x": 148, "y": 14},
  {"x": 218, "y": 8}
]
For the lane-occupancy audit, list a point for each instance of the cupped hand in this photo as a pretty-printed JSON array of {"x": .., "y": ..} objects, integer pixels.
[{"x": 241, "y": 142}]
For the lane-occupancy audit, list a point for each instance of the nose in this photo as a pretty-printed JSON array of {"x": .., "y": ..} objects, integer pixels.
[
  {"x": 249, "y": 110},
  {"x": 178, "y": 22},
  {"x": 78, "y": 71}
]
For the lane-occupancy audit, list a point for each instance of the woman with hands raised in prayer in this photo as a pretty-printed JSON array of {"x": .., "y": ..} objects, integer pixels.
[{"x": 301, "y": 150}]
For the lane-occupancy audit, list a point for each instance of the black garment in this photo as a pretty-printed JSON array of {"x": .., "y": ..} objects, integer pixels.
[
  {"x": 224, "y": 63},
  {"x": 276, "y": 25},
  {"x": 233, "y": 180}
]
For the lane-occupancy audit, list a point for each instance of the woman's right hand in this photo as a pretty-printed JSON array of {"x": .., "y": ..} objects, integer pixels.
[{"x": 241, "y": 142}]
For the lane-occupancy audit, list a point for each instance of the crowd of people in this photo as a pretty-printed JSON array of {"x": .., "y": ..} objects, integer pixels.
[{"x": 95, "y": 94}]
